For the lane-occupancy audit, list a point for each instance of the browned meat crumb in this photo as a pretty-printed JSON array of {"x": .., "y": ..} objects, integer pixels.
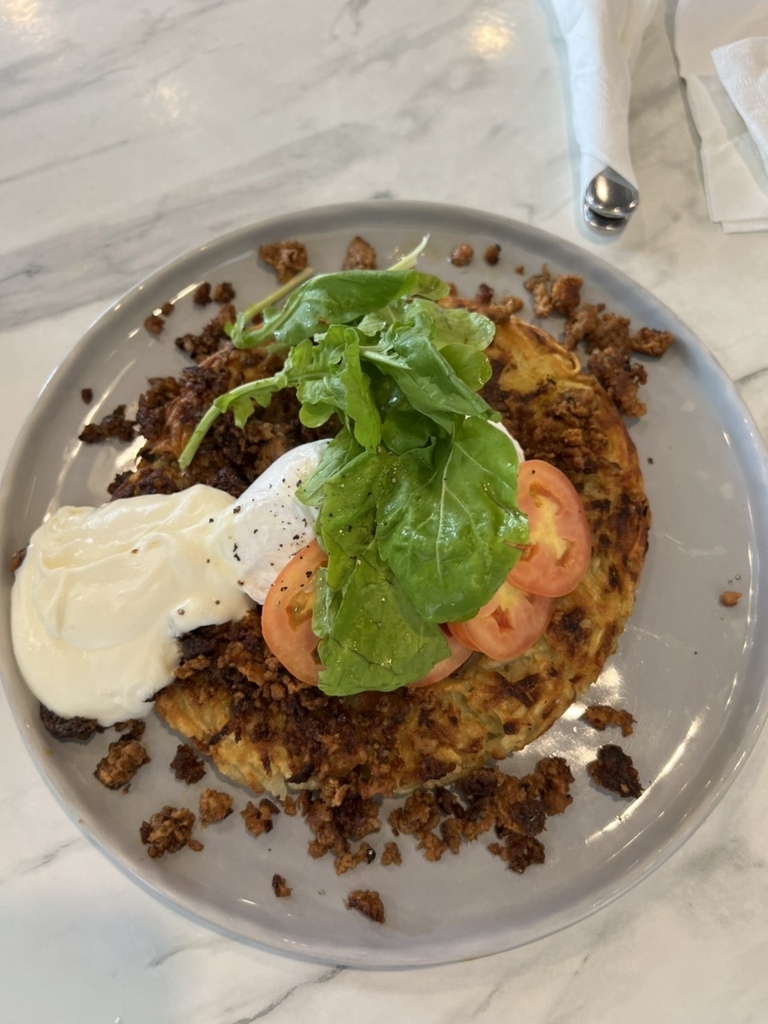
[
  {"x": 154, "y": 324},
  {"x": 601, "y": 715},
  {"x": 566, "y": 293},
  {"x": 113, "y": 426},
  {"x": 730, "y": 598},
  {"x": 580, "y": 324},
  {"x": 419, "y": 814},
  {"x": 610, "y": 332},
  {"x": 223, "y": 293},
  {"x": 76, "y": 728},
  {"x": 202, "y": 294},
  {"x": 335, "y": 824},
  {"x": 121, "y": 762},
  {"x": 492, "y": 254},
  {"x": 258, "y": 820},
  {"x": 484, "y": 294},
  {"x": 365, "y": 854},
  {"x": 391, "y": 855},
  {"x": 167, "y": 308},
  {"x": 462, "y": 255},
  {"x": 214, "y": 806},
  {"x": 289, "y": 806},
  {"x": 519, "y": 852},
  {"x": 17, "y": 559},
  {"x": 520, "y": 269},
  {"x": 620, "y": 378},
  {"x": 169, "y": 831},
  {"x": 87, "y": 395},
  {"x": 368, "y": 902},
  {"x": 651, "y": 342},
  {"x": 131, "y": 729},
  {"x": 186, "y": 765},
  {"x": 200, "y": 346},
  {"x": 287, "y": 258},
  {"x": 360, "y": 255},
  {"x": 280, "y": 889},
  {"x": 487, "y": 799},
  {"x": 613, "y": 770}
]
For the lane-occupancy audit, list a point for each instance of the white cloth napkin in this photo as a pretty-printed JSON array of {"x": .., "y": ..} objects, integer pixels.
[
  {"x": 722, "y": 48},
  {"x": 602, "y": 39}
]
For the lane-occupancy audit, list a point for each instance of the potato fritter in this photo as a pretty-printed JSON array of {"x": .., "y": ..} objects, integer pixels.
[{"x": 265, "y": 730}]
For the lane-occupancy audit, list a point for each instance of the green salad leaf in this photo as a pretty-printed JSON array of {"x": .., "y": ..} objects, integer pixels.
[{"x": 416, "y": 495}]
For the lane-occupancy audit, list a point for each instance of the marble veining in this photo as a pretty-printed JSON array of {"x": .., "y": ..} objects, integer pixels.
[{"x": 132, "y": 134}]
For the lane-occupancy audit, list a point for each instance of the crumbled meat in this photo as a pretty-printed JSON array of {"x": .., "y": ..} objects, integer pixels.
[
  {"x": 202, "y": 294},
  {"x": 360, "y": 255},
  {"x": 167, "y": 308},
  {"x": 490, "y": 799},
  {"x": 169, "y": 831},
  {"x": 580, "y": 324},
  {"x": 484, "y": 295},
  {"x": 87, "y": 395},
  {"x": 367, "y": 902},
  {"x": 214, "y": 806},
  {"x": 492, "y": 254},
  {"x": 121, "y": 762},
  {"x": 566, "y": 293},
  {"x": 519, "y": 852},
  {"x": 258, "y": 820},
  {"x": 365, "y": 854},
  {"x": 620, "y": 378},
  {"x": 539, "y": 287},
  {"x": 131, "y": 728},
  {"x": 651, "y": 342},
  {"x": 200, "y": 346},
  {"x": 287, "y": 258},
  {"x": 730, "y": 598},
  {"x": 113, "y": 426},
  {"x": 280, "y": 889},
  {"x": 391, "y": 855},
  {"x": 17, "y": 559},
  {"x": 289, "y": 806},
  {"x": 419, "y": 814},
  {"x": 186, "y": 765},
  {"x": 613, "y": 770},
  {"x": 75, "y": 728},
  {"x": 154, "y": 324},
  {"x": 223, "y": 293},
  {"x": 335, "y": 824},
  {"x": 601, "y": 715},
  {"x": 462, "y": 255}
]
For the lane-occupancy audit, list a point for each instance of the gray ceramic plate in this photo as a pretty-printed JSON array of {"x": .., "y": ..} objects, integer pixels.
[{"x": 692, "y": 672}]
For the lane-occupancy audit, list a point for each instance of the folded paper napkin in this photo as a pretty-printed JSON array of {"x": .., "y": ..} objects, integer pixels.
[
  {"x": 722, "y": 48},
  {"x": 602, "y": 39}
]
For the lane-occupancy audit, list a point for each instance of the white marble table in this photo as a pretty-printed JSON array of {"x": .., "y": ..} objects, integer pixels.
[{"x": 131, "y": 133}]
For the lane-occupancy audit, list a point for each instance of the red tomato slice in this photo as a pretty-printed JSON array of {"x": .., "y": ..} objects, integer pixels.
[
  {"x": 557, "y": 556},
  {"x": 459, "y": 654},
  {"x": 511, "y": 622},
  {"x": 286, "y": 618}
]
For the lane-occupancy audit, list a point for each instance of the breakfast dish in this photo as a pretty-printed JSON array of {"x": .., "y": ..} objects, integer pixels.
[{"x": 226, "y": 887}]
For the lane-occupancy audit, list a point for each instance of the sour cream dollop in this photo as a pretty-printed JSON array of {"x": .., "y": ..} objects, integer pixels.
[{"x": 103, "y": 593}]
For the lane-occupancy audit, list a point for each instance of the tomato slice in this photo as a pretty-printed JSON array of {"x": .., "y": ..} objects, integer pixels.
[
  {"x": 510, "y": 623},
  {"x": 458, "y": 655},
  {"x": 557, "y": 556},
  {"x": 286, "y": 618}
]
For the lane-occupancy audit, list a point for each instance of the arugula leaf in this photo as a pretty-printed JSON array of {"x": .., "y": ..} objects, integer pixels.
[
  {"x": 371, "y": 637},
  {"x": 448, "y": 523},
  {"x": 337, "y": 298}
]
